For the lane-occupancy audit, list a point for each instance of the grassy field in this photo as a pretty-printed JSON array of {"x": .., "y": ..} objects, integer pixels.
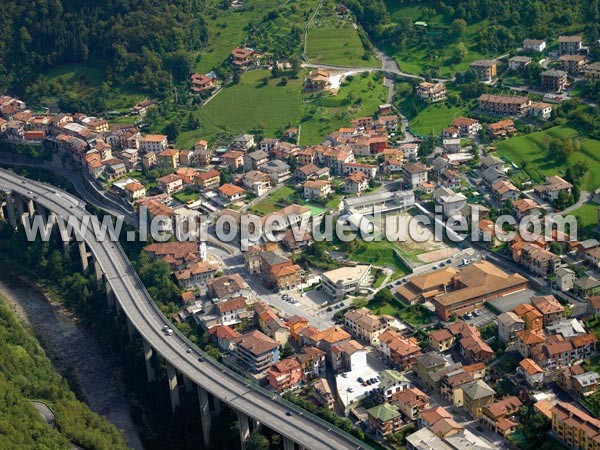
[
  {"x": 587, "y": 215},
  {"x": 273, "y": 202},
  {"x": 434, "y": 118},
  {"x": 186, "y": 196},
  {"x": 334, "y": 40},
  {"x": 435, "y": 47},
  {"x": 85, "y": 80},
  {"x": 235, "y": 109},
  {"x": 357, "y": 97},
  {"x": 380, "y": 254},
  {"x": 532, "y": 149},
  {"x": 416, "y": 315}
]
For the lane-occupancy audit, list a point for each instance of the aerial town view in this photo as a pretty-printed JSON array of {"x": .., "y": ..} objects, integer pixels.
[{"x": 300, "y": 225}]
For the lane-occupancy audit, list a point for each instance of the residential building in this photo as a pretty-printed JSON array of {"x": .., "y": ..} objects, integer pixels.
[
  {"x": 551, "y": 310},
  {"x": 345, "y": 280},
  {"x": 554, "y": 80},
  {"x": 208, "y": 180},
  {"x": 485, "y": 69},
  {"x": 312, "y": 361},
  {"x": 135, "y": 191},
  {"x": 411, "y": 402},
  {"x": 466, "y": 127},
  {"x": 323, "y": 394},
  {"x": 270, "y": 323},
  {"x": 477, "y": 395},
  {"x": 356, "y": 183},
  {"x": 202, "y": 83},
  {"x": 384, "y": 419},
  {"x": 504, "y": 191},
  {"x": 565, "y": 278},
  {"x": 364, "y": 325},
  {"x": 534, "y": 374},
  {"x": 526, "y": 207},
  {"x": 431, "y": 92},
  {"x": 243, "y": 57},
  {"x": 573, "y": 64},
  {"x": 499, "y": 416},
  {"x": 170, "y": 183},
  {"x": 501, "y": 129},
  {"x": 196, "y": 274},
  {"x": 278, "y": 271},
  {"x": 426, "y": 365},
  {"x": 508, "y": 324},
  {"x": 425, "y": 439},
  {"x": 541, "y": 110},
  {"x": 232, "y": 311},
  {"x": 451, "y": 145},
  {"x": 233, "y": 159},
  {"x": 532, "y": 318},
  {"x": 285, "y": 374},
  {"x": 229, "y": 193},
  {"x": 518, "y": 63},
  {"x": 255, "y": 159},
  {"x": 400, "y": 351},
  {"x": 586, "y": 384},
  {"x": 414, "y": 174},
  {"x": 317, "y": 80},
  {"x": 257, "y": 350},
  {"x": 592, "y": 72},
  {"x": 389, "y": 122},
  {"x": 224, "y": 336},
  {"x": 534, "y": 45},
  {"x": 152, "y": 143},
  {"x": 504, "y": 105},
  {"x": 553, "y": 187},
  {"x": 347, "y": 356},
  {"x": 229, "y": 286},
  {"x": 257, "y": 182},
  {"x": 392, "y": 384},
  {"x": 574, "y": 427},
  {"x": 539, "y": 261},
  {"x": 277, "y": 170},
  {"x": 316, "y": 189},
  {"x": 570, "y": 45}
]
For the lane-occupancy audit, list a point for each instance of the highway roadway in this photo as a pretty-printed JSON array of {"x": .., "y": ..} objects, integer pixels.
[{"x": 268, "y": 408}]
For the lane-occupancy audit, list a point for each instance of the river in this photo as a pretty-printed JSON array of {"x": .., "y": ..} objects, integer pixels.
[{"x": 74, "y": 350}]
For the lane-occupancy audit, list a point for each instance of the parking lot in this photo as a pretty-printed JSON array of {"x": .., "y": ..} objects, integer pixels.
[
  {"x": 350, "y": 389},
  {"x": 481, "y": 318}
]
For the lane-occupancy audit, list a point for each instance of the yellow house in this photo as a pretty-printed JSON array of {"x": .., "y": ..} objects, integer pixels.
[
  {"x": 169, "y": 158},
  {"x": 477, "y": 394}
]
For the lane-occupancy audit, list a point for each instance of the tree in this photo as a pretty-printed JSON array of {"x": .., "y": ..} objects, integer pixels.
[
  {"x": 459, "y": 53},
  {"x": 287, "y": 350},
  {"x": 257, "y": 441},
  {"x": 555, "y": 248},
  {"x": 458, "y": 27},
  {"x": 172, "y": 131},
  {"x": 275, "y": 71}
]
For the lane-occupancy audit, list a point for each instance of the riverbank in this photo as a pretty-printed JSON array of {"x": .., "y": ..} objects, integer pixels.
[{"x": 74, "y": 351}]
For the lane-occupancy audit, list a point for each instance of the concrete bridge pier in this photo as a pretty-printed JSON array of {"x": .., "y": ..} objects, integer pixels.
[
  {"x": 110, "y": 295},
  {"x": 218, "y": 404},
  {"x": 148, "y": 351},
  {"x": 19, "y": 203},
  {"x": 205, "y": 415},
  {"x": 31, "y": 207},
  {"x": 10, "y": 209},
  {"x": 131, "y": 331},
  {"x": 244, "y": 428},
  {"x": 99, "y": 274},
  {"x": 173, "y": 387},
  {"x": 288, "y": 444},
  {"x": 83, "y": 253}
]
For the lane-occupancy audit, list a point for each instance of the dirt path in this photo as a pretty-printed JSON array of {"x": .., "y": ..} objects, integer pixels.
[{"x": 75, "y": 350}]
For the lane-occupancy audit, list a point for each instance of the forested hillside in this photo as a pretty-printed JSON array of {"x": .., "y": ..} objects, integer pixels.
[
  {"x": 144, "y": 42},
  {"x": 457, "y": 31},
  {"x": 27, "y": 374}
]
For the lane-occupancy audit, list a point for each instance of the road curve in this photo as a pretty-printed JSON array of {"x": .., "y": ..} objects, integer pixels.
[{"x": 268, "y": 408}]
